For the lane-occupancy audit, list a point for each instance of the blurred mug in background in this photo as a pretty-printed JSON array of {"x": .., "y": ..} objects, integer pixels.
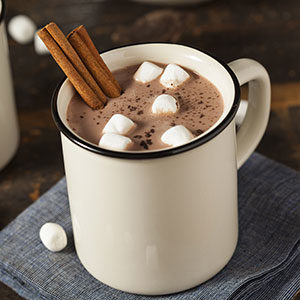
[{"x": 9, "y": 131}]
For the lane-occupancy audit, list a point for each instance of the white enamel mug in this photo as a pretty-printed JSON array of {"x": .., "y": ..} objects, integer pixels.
[
  {"x": 9, "y": 131},
  {"x": 159, "y": 222}
]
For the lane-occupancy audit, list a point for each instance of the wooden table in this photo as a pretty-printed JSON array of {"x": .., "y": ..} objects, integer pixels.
[{"x": 268, "y": 31}]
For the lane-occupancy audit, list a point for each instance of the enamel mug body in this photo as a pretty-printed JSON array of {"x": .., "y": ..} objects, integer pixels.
[{"x": 160, "y": 222}]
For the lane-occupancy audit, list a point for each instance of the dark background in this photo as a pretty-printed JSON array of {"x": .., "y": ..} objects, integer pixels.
[{"x": 267, "y": 31}]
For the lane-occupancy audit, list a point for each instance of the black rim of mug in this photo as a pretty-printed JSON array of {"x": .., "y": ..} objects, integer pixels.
[
  {"x": 149, "y": 154},
  {"x": 2, "y": 12}
]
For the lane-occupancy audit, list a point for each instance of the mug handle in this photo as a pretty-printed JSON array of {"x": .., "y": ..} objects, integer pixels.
[{"x": 259, "y": 102}]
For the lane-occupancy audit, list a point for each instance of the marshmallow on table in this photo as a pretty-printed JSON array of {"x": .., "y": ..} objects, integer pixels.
[
  {"x": 39, "y": 46},
  {"x": 176, "y": 136},
  {"x": 53, "y": 237},
  {"x": 164, "y": 104},
  {"x": 22, "y": 29},
  {"x": 147, "y": 72},
  {"x": 118, "y": 124},
  {"x": 173, "y": 76},
  {"x": 115, "y": 141}
]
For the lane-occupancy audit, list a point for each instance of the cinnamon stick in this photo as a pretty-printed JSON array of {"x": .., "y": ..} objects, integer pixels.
[
  {"x": 80, "y": 83},
  {"x": 81, "y": 62},
  {"x": 63, "y": 42},
  {"x": 100, "y": 74},
  {"x": 81, "y": 30}
]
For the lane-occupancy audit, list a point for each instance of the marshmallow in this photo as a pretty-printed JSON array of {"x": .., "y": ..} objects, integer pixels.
[
  {"x": 176, "y": 136},
  {"x": 53, "y": 237},
  {"x": 39, "y": 46},
  {"x": 164, "y": 104},
  {"x": 173, "y": 76},
  {"x": 147, "y": 72},
  {"x": 22, "y": 29},
  {"x": 115, "y": 141},
  {"x": 118, "y": 124}
]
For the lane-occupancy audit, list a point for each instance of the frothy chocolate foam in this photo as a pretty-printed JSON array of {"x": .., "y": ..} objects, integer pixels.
[{"x": 200, "y": 106}]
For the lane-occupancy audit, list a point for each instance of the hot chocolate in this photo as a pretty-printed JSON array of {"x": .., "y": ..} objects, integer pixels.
[{"x": 197, "y": 102}]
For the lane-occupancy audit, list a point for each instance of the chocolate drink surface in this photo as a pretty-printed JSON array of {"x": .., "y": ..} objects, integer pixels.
[{"x": 199, "y": 104}]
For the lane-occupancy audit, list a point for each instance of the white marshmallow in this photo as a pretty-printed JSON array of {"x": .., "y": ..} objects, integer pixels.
[
  {"x": 164, "y": 104},
  {"x": 22, "y": 29},
  {"x": 176, "y": 136},
  {"x": 39, "y": 46},
  {"x": 115, "y": 141},
  {"x": 173, "y": 76},
  {"x": 53, "y": 237},
  {"x": 118, "y": 124},
  {"x": 147, "y": 72}
]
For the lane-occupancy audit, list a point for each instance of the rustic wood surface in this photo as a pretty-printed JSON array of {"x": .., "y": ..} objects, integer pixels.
[{"x": 268, "y": 31}]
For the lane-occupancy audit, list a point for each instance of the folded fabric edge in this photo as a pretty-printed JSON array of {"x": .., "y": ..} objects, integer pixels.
[
  {"x": 254, "y": 282},
  {"x": 21, "y": 286},
  {"x": 276, "y": 289}
]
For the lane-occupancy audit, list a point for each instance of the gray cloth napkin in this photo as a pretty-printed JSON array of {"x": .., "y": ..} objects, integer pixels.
[{"x": 266, "y": 263}]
